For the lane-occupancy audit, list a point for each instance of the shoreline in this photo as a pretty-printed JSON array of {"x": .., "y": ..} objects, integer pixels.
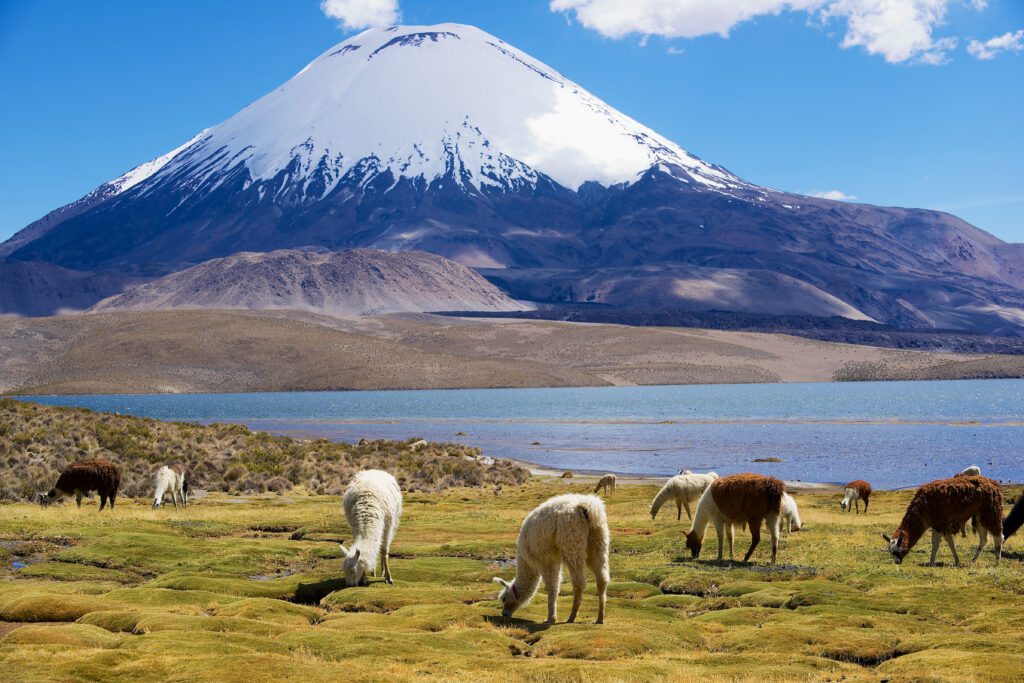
[{"x": 589, "y": 476}]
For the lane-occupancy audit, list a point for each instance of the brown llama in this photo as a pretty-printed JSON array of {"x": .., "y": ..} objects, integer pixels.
[
  {"x": 84, "y": 476},
  {"x": 944, "y": 506},
  {"x": 856, "y": 490},
  {"x": 735, "y": 500},
  {"x": 606, "y": 482}
]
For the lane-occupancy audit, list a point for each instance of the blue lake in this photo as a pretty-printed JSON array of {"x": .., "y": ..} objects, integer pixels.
[{"x": 893, "y": 434}]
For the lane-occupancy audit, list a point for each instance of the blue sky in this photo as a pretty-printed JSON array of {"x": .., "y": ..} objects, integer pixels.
[{"x": 895, "y": 102}]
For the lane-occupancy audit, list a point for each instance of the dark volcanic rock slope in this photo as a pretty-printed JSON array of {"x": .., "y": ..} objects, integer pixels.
[{"x": 448, "y": 140}]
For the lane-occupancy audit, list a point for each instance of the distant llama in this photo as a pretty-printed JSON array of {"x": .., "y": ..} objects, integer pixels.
[
  {"x": 606, "y": 482},
  {"x": 176, "y": 479},
  {"x": 83, "y": 476}
]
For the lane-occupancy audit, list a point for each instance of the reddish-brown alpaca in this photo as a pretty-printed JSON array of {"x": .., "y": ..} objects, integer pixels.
[
  {"x": 738, "y": 499},
  {"x": 944, "y": 506}
]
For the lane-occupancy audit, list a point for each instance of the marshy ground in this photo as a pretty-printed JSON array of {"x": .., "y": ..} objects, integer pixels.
[{"x": 245, "y": 588}]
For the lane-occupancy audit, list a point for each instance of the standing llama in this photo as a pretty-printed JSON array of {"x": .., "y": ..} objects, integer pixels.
[
  {"x": 944, "y": 506},
  {"x": 79, "y": 478},
  {"x": 683, "y": 489},
  {"x": 176, "y": 479},
  {"x": 373, "y": 506},
  {"x": 789, "y": 517},
  {"x": 855, "y": 491},
  {"x": 737, "y": 499},
  {"x": 570, "y": 529},
  {"x": 606, "y": 482}
]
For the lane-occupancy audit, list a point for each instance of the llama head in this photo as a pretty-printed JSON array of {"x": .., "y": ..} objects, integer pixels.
[
  {"x": 47, "y": 498},
  {"x": 654, "y": 514},
  {"x": 694, "y": 543},
  {"x": 356, "y": 567},
  {"x": 509, "y": 597},
  {"x": 157, "y": 503},
  {"x": 896, "y": 547}
]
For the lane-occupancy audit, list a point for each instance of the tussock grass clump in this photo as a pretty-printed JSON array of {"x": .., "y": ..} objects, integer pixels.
[{"x": 38, "y": 441}]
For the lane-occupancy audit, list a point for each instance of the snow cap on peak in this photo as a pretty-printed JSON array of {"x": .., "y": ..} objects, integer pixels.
[{"x": 438, "y": 101}]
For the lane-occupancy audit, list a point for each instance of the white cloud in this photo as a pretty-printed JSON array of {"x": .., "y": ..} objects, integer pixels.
[
  {"x": 898, "y": 30},
  {"x": 360, "y": 14},
  {"x": 832, "y": 194},
  {"x": 1012, "y": 40},
  {"x": 675, "y": 50}
]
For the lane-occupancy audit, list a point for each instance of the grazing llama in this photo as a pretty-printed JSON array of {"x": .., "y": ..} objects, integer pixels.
[
  {"x": 683, "y": 489},
  {"x": 571, "y": 529},
  {"x": 176, "y": 479},
  {"x": 944, "y": 506},
  {"x": 734, "y": 500},
  {"x": 855, "y": 491},
  {"x": 606, "y": 482},
  {"x": 373, "y": 506},
  {"x": 79, "y": 478}
]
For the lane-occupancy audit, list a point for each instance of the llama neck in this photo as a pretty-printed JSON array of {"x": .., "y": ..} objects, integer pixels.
[
  {"x": 161, "y": 489},
  {"x": 912, "y": 528},
  {"x": 526, "y": 581},
  {"x": 706, "y": 509},
  {"x": 369, "y": 536},
  {"x": 659, "y": 500}
]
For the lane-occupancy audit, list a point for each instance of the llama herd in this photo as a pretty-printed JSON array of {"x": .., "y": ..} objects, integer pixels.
[{"x": 572, "y": 529}]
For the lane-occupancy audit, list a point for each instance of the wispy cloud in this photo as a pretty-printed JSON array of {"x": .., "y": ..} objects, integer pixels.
[
  {"x": 1010, "y": 41},
  {"x": 900, "y": 31},
  {"x": 675, "y": 50},
  {"x": 360, "y": 14},
  {"x": 832, "y": 194}
]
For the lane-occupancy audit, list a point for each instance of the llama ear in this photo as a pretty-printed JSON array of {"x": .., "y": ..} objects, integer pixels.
[
  {"x": 886, "y": 537},
  {"x": 343, "y": 548},
  {"x": 503, "y": 582},
  {"x": 359, "y": 552}
]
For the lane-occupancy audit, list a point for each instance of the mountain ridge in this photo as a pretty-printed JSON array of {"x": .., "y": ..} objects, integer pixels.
[{"x": 448, "y": 140}]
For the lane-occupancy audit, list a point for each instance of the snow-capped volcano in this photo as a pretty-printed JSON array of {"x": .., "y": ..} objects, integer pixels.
[
  {"x": 424, "y": 101},
  {"x": 448, "y": 140}
]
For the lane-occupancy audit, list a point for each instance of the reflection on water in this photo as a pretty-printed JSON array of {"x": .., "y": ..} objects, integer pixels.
[{"x": 890, "y": 433}]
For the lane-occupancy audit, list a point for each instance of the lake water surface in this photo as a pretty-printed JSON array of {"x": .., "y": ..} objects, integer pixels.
[{"x": 893, "y": 434}]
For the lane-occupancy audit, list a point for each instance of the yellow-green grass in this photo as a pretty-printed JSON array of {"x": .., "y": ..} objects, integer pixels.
[{"x": 216, "y": 591}]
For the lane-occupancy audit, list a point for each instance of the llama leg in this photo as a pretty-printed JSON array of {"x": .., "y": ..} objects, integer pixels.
[
  {"x": 599, "y": 565},
  {"x": 936, "y": 539},
  {"x": 687, "y": 506},
  {"x": 552, "y": 581},
  {"x": 866, "y": 507},
  {"x": 579, "y": 582},
  {"x": 949, "y": 539},
  {"x": 385, "y": 565},
  {"x": 718, "y": 532},
  {"x": 78, "y": 498},
  {"x": 982, "y": 540},
  {"x": 997, "y": 540},
  {"x": 773, "y": 530},
  {"x": 755, "y": 536},
  {"x": 730, "y": 535},
  {"x": 679, "y": 511}
]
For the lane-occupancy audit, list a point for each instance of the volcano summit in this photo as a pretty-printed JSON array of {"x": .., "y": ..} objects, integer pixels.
[{"x": 446, "y": 139}]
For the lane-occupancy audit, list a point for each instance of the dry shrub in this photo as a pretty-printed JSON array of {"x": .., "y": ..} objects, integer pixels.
[{"x": 228, "y": 458}]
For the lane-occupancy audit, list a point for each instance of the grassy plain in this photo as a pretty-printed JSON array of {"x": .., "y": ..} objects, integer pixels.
[{"x": 245, "y": 589}]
